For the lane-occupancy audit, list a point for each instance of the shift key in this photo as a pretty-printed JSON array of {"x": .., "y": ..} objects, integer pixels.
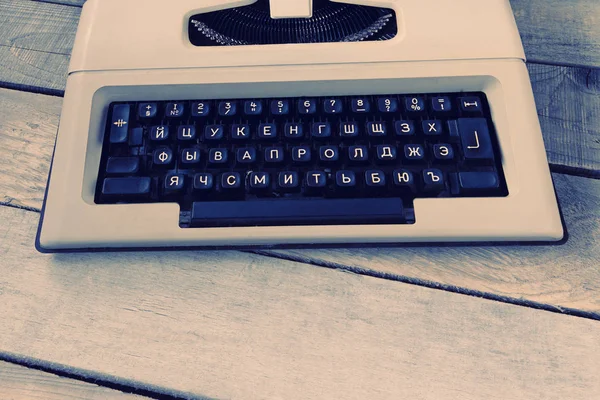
[{"x": 475, "y": 139}]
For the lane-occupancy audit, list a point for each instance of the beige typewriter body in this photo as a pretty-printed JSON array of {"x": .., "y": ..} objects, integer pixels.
[{"x": 442, "y": 45}]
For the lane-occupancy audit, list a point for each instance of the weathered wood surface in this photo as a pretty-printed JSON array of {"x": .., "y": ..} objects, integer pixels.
[
  {"x": 237, "y": 325},
  {"x": 38, "y": 38},
  {"x": 20, "y": 383},
  {"x": 560, "y": 276}
]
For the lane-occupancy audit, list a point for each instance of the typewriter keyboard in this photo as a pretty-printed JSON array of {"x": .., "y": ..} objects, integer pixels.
[{"x": 300, "y": 161}]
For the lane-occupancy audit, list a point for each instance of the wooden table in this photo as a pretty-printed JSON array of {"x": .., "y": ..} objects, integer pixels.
[{"x": 474, "y": 322}]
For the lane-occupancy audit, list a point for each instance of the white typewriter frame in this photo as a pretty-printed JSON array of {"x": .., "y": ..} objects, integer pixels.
[{"x": 104, "y": 69}]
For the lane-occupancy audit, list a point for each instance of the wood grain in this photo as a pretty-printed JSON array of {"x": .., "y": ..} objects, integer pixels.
[
  {"x": 242, "y": 326},
  {"x": 19, "y": 383},
  {"x": 36, "y": 40},
  {"x": 568, "y": 106},
  {"x": 560, "y": 31},
  {"x": 561, "y": 276}
]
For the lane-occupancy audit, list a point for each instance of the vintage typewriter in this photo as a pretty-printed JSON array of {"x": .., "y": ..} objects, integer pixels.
[{"x": 293, "y": 122}]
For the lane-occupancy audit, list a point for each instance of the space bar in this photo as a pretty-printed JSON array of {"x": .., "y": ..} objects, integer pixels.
[{"x": 297, "y": 212}]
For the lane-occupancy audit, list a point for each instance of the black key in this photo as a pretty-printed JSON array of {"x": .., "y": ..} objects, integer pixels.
[
  {"x": 358, "y": 154},
  {"x": 329, "y": 153},
  {"x": 307, "y": 106},
  {"x": 441, "y": 104},
  {"x": 333, "y": 106},
  {"x": 375, "y": 179},
  {"x": 274, "y": 155},
  {"x": 414, "y": 152},
  {"x": 126, "y": 187},
  {"x": 203, "y": 182},
  {"x": 174, "y": 110},
  {"x": 301, "y": 154},
  {"x": 147, "y": 110},
  {"x": 320, "y": 130},
  {"x": 404, "y": 181},
  {"x": 297, "y": 212},
  {"x": 386, "y": 153},
  {"x": 443, "y": 152},
  {"x": 200, "y": 109},
  {"x": 348, "y": 129},
  {"x": 432, "y": 127},
  {"x": 387, "y": 104},
  {"x": 159, "y": 133},
  {"x": 280, "y": 107},
  {"x": 119, "y": 123},
  {"x": 470, "y": 104},
  {"x": 213, "y": 132},
  {"x": 259, "y": 182},
  {"x": 122, "y": 165},
  {"x": 217, "y": 156},
  {"x": 360, "y": 105},
  {"x": 376, "y": 129},
  {"x": 253, "y": 107},
  {"x": 267, "y": 131},
  {"x": 404, "y": 128},
  {"x": 345, "y": 179},
  {"x": 414, "y": 104},
  {"x": 231, "y": 181},
  {"x": 190, "y": 158},
  {"x": 174, "y": 183},
  {"x": 315, "y": 180},
  {"x": 478, "y": 182},
  {"x": 246, "y": 155},
  {"x": 240, "y": 131},
  {"x": 227, "y": 108},
  {"x": 186, "y": 132},
  {"x": 293, "y": 131},
  {"x": 136, "y": 137},
  {"x": 475, "y": 139},
  {"x": 162, "y": 157},
  {"x": 433, "y": 180},
  {"x": 288, "y": 181},
  {"x": 453, "y": 128}
]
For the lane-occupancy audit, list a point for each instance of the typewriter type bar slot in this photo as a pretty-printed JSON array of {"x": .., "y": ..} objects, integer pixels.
[{"x": 297, "y": 161}]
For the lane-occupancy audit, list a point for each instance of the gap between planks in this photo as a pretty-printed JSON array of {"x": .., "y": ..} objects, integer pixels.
[
  {"x": 21, "y": 382},
  {"x": 228, "y": 324}
]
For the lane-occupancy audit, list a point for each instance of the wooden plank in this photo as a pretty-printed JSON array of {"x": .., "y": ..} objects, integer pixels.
[
  {"x": 236, "y": 325},
  {"x": 560, "y": 31},
  {"x": 568, "y": 104},
  {"x": 553, "y": 31},
  {"x": 561, "y": 276},
  {"x": 37, "y": 38},
  {"x": 18, "y": 382}
]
